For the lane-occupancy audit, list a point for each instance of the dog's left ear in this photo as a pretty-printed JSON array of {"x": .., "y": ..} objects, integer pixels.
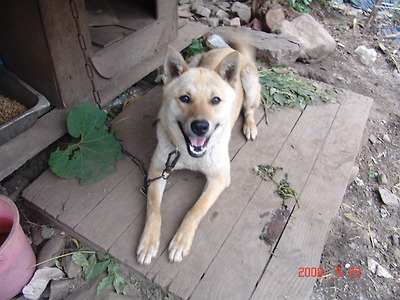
[
  {"x": 174, "y": 65},
  {"x": 228, "y": 68}
]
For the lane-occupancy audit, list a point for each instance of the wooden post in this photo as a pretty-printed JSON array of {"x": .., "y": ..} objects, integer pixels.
[{"x": 373, "y": 12}]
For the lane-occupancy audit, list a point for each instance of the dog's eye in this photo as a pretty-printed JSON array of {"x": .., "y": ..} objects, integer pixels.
[
  {"x": 215, "y": 100},
  {"x": 184, "y": 99}
]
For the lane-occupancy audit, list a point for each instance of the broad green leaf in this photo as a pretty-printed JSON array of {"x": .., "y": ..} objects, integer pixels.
[
  {"x": 80, "y": 259},
  {"x": 93, "y": 157},
  {"x": 91, "y": 261},
  {"x": 96, "y": 269},
  {"x": 105, "y": 283},
  {"x": 47, "y": 231},
  {"x": 103, "y": 255},
  {"x": 119, "y": 284}
]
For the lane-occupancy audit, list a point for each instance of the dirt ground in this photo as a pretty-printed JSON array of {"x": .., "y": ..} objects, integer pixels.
[{"x": 365, "y": 228}]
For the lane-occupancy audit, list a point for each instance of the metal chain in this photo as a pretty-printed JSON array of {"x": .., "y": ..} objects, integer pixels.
[
  {"x": 96, "y": 95},
  {"x": 82, "y": 44}
]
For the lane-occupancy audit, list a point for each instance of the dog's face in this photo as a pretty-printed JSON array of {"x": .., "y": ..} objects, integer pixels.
[{"x": 197, "y": 101}]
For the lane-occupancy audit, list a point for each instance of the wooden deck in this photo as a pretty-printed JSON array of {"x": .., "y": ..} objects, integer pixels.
[{"x": 316, "y": 147}]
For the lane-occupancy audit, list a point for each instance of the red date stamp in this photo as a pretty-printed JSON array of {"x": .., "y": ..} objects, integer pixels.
[{"x": 319, "y": 272}]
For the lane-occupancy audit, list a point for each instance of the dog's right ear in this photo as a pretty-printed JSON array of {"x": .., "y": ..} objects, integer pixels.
[{"x": 174, "y": 65}]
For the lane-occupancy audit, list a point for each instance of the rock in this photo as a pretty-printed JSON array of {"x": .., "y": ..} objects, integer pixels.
[
  {"x": 372, "y": 138},
  {"x": 196, "y": 4},
  {"x": 367, "y": 56},
  {"x": 70, "y": 268},
  {"x": 359, "y": 182},
  {"x": 382, "y": 272},
  {"x": 353, "y": 175},
  {"x": 273, "y": 17},
  {"x": 235, "y": 22},
  {"x": 388, "y": 198},
  {"x": 375, "y": 267},
  {"x": 382, "y": 179},
  {"x": 271, "y": 48},
  {"x": 386, "y": 138},
  {"x": 51, "y": 249},
  {"x": 213, "y": 22},
  {"x": 221, "y": 14},
  {"x": 256, "y": 24},
  {"x": 242, "y": 11},
  {"x": 39, "y": 281},
  {"x": 37, "y": 237},
  {"x": 226, "y": 22},
  {"x": 372, "y": 264},
  {"x": 203, "y": 11},
  {"x": 314, "y": 41},
  {"x": 184, "y": 12},
  {"x": 215, "y": 41},
  {"x": 60, "y": 289},
  {"x": 396, "y": 240},
  {"x": 225, "y": 6}
]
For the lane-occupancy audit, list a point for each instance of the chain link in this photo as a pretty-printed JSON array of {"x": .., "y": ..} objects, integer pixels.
[
  {"x": 82, "y": 45},
  {"x": 172, "y": 157}
]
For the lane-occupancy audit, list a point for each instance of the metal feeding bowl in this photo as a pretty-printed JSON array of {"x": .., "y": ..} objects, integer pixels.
[{"x": 14, "y": 88}]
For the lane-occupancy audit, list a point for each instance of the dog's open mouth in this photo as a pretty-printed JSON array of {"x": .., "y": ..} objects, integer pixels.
[{"x": 196, "y": 145}]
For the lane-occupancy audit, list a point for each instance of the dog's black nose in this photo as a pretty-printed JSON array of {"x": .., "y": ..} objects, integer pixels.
[{"x": 200, "y": 127}]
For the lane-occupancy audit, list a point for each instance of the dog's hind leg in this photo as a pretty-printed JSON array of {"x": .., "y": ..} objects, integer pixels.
[
  {"x": 251, "y": 100},
  {"x": 180, "y": 245},
  {"x": 150, "y": 239}
]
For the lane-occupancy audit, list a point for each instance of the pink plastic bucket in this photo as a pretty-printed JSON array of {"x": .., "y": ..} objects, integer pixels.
[{"x": 16, "y": 255}]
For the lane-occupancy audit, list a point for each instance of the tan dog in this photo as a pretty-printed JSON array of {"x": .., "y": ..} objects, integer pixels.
[{"x": 200, "y": 106}]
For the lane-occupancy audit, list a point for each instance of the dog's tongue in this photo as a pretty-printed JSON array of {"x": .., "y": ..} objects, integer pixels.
[{"x": 197, "y": 141}]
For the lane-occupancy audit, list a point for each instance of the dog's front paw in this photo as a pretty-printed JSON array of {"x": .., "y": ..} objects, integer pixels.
[
  {"x": 180, "y": 245},
  {"x": 250, "y": 130},
  {"x": 148, "y": 248}
]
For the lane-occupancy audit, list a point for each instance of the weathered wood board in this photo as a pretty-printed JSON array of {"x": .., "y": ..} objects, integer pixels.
[
  {"x": 316, "y": 148},
  {"x": 15, "y": 152}
]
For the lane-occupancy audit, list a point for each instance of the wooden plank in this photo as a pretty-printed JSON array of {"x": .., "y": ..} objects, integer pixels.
[
  {"x": 118, "y": 58},
  {"x": 110, "y": 88},
  {"x": 219, "y": 221},
  {"x": 15, "y": 152},
  {"x": 105, "y": 36},
  {"x": 303, "y": 240},
  {"x": 22, "y": 28},
  {"x": 124, "y": 202},
  {"x": 183, "y": 197},
  {"x": 105, "y": 223},
  {"x": 134, "y": 20},
  {"x": 243, "y": 247},
  {"x": 69, "y": 202}
]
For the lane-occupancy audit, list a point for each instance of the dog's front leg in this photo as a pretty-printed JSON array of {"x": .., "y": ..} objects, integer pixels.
[
  {"x": 180, "y": 245},
  {"x": 150, "y": 240}
]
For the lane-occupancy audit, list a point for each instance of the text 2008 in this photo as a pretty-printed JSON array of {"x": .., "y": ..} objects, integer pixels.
[{"x": 319, "y": 272}]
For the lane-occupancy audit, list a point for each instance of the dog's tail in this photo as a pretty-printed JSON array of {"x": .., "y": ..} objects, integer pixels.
[{"x": 239, "y": 40}]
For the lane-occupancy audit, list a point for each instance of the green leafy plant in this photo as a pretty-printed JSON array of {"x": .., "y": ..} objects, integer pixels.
[
  {"x": 284, "y": 190},
  {"x": 194, "y": 48},
  {"x": 300, "y": 5},
  {"x": 284, "y": 89},
  {"x": 96, "y": 264},
  {"x": 372, "y": 174},
  {"x": 281, "y": 88},
  {"x": 93, "y": 264},
  {"x": 94, "y": 155}
]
